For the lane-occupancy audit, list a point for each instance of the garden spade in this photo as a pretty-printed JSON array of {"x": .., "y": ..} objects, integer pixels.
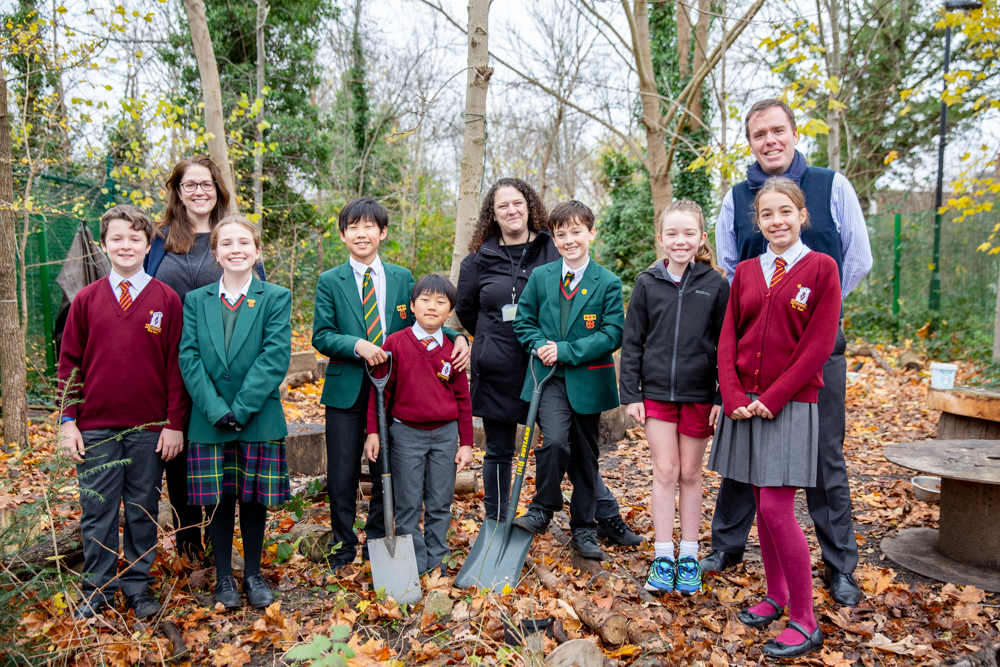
[
  {"x": 394, "y": 562},
  {"x": 497, "y": 556}
]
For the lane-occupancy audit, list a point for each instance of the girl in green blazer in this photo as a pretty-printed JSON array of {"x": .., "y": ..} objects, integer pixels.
[{"x": 235, "y": 349}]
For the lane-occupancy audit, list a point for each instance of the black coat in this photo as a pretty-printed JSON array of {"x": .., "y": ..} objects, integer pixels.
[
  {"x": 671, "y": 336},
  {"x": 499, "y": 363}
]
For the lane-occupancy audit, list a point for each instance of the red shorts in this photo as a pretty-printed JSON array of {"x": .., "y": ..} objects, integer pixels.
[{"x": 691, "y": 418}]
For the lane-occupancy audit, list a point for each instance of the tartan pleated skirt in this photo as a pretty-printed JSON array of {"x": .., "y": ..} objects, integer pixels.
[
  {"x": 251, "y": 471},
  {"x": 783, "y": 451}
]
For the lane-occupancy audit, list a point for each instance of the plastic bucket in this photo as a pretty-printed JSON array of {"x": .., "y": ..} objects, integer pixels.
[{"x": 943, "y": 375}]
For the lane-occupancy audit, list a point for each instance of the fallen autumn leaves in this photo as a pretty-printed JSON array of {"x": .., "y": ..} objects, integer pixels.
[{"x": 904, "y": 619}]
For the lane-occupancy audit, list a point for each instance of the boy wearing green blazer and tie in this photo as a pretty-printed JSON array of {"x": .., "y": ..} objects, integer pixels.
[
  {"x": 358, "y": 305},
  {"x": 235, "y": 349},
  {"x": 571, "y": 313}
]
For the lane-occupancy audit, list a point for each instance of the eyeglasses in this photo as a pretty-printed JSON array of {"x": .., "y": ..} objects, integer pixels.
[{"x": 191, "y": 186}]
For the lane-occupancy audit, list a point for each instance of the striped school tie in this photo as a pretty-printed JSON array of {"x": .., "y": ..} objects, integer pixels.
[
  {"x": 125, "y": 298},
  {"x": 429, "y": 342},
  {"x": 779, "y": 271},
  {"x": 373, "y": 324},
  {"x": 569, "y": 279}
]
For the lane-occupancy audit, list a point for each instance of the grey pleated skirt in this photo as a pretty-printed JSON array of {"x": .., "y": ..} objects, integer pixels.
[{"x": 769, "y": 452}]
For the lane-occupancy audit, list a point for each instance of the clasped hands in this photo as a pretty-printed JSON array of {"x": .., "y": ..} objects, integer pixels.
[{"x": 755, "y": 409}]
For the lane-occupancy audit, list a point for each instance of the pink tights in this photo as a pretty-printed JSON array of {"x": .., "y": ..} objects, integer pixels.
[{"x": 787, "y": 563}]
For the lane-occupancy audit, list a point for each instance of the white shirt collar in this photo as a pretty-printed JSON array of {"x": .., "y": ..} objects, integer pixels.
[
  {"x": 791, "y": 255},
  {"x": 232, "y": 298},
  {"x": 419, "y": 332},
  {"x": 359, "y": 268},
  {"x": 137, "y": 281},
  {"x": 577, "y": 273}
]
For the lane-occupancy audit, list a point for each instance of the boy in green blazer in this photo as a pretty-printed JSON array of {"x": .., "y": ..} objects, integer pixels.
[
  {"x": 571, "y": 312},
  {"x": 358, "y": 305}
]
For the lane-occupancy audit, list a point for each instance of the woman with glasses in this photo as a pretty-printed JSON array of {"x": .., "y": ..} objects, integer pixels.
[{"x": 180, "y": 256}]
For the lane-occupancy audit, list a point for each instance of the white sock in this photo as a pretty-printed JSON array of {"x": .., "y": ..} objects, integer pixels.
[
  {"x": 689, "y": 549},
  {"x": 664, "y": 549}
]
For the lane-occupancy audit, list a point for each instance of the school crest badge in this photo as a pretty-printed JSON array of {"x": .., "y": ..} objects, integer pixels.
[
  {"x": 445, "y": 373},
  {"x": 251, "y": 302},
  {"x": 156, "y": 318},
  {"x": 590, "y": 321},
  {"x": 801, "y": 298},
  {"x": 402, "y": 312}
]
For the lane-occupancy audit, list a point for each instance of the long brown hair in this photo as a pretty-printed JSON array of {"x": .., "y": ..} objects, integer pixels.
[
  {"x": 181, "y": 236},
  {"x": 538, "y": 216},
  {"x": 687, "y": 206}
]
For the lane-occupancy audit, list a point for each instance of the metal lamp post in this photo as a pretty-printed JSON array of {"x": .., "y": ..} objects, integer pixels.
[{"x": 935, "y": 292}]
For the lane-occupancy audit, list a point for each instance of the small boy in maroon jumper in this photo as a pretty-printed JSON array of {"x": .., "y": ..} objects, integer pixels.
[
  {"x": 122, "y": 338},
  {"x": 430, "y": 421}
]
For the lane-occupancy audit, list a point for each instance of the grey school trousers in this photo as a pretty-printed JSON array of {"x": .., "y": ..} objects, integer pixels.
[
  {"x": 102, "y": 490},
  {"x": 423, "y": 474}
]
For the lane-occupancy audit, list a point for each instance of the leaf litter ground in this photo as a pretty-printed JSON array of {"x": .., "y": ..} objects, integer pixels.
[{"x": 904, "y": 619}]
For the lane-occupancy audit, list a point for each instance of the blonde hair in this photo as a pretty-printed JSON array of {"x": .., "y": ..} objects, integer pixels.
[
  {"x": 783, "y": 186},
  {"x": 213, "y": 240},
  {"x": 687, "y": 206}
]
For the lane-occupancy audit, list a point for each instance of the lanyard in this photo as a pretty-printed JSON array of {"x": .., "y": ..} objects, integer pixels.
[{"x": 514, "y": 271}]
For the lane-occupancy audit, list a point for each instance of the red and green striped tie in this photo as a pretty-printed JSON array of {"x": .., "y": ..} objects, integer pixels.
[{"x": 373, "y": 323}]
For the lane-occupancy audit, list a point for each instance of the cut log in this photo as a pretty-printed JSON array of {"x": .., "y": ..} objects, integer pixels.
[
  {"x": 587, "y": 566},
  {"x": 643, "y": 594},
  {"x": 610, "y": 625},
  {"x": 466, "y": 482},
  {"x": 69, "y": 542},
  {"x": 549, "y": 579},
  {"x": 173, "y": 633},
  {"x": 874, "y": 353},
  {"x": 908, "y": 360},
  {"x": 858, "y": 350}
]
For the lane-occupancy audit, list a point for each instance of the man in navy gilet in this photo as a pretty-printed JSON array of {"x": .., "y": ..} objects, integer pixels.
[{"x": 837, "y": 228}]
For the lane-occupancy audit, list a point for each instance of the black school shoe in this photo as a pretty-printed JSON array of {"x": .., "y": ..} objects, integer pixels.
[
  {"x": 780, "y": 650},
  {"x": 535, "y": 521},
  {"x": 843, "y": 589},
  {"x": 88, "y": 609},
  {"x": 144, "y": 605},
  {"x": 585, "y": 542},
  {"x": 259, "y": 594},
  {"x": 227, "y": 593},
  {"x": 719, "y": 561},
  {"x": 753, "y": 620},
  {"x": 616, "y": 531}
]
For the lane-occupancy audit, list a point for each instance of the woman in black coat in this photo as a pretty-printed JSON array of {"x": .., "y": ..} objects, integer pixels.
[{"x": 510, "y": 240}]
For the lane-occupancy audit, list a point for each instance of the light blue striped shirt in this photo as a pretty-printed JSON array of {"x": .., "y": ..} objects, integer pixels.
[{"x": 847, "y": 215}]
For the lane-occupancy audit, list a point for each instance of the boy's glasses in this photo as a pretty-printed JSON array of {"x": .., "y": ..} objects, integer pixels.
[{"x": 191, "y": 186}]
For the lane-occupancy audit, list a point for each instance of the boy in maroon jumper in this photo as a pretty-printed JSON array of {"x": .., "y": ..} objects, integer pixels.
[
  {"x": 121, "y": 339},
  {"x": 430, "y": 421}
]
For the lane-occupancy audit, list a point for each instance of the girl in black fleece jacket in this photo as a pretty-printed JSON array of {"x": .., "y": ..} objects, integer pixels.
[{"x": 669, "y": 382}]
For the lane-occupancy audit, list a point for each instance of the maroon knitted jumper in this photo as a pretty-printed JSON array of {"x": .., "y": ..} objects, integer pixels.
[
  {"x": 775, "y": 341},
  {"x": 417, "y": 393},
  {"x": 126, "y": 360}
]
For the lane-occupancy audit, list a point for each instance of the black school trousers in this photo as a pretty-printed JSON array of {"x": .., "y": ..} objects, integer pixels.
[
  {"x": 570, "y": 446},
  {"x": 186, "y": 518},
  {"x": 829, "y": 501},
  {"x": 345, "y": 445}
]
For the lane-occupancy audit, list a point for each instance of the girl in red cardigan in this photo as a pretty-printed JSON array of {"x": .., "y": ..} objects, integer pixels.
[{"x": 780, "y": 326}]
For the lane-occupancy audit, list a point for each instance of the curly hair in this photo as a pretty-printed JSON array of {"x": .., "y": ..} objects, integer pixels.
[{"x": 538, "y": 216}]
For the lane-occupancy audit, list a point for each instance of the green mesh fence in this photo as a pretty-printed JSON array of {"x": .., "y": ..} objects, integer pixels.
[
  {"x": 968, "y": 276},
  {"x": 61, "y": 205}
]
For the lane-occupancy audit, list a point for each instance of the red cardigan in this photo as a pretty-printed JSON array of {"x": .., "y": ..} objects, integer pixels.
[
  {"x": 126, "y": 361},
  {"x": 774, "y": 342},
  {"x": 416, "y": 395}
]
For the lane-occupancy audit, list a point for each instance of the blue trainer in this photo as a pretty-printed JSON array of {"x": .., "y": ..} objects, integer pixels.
[
  {"x": 688, "y": 576},
  {"x": 661, "y": 576}
]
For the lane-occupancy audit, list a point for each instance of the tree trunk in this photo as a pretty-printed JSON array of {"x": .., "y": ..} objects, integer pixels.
[
  {"x": 610, "y": 625},
  {"x": 833, "y": 58},
  {"x": 683, "y": 37},
  {"x": 723, "y": 113},
  {"x": 258, "y": 156},
  {"x": 652, "y": 119},
  {"x": 996, "y": 328},
  {"x": 553, "y": 138},
  {"x": 13, "y": 371},
  {"x": 474, "y": 141},
  {"x": 208, "y": 71},
  {"x": 700, "y": 55}
]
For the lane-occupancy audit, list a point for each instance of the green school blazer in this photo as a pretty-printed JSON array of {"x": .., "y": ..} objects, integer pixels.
[
  {"x": 594, "y": 332},
  {"x": 338, "y": 324},
  {"x": 245, "y": 381}
]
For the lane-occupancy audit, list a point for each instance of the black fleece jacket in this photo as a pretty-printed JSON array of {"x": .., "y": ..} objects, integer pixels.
[{"x": 671, "y": 335}]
